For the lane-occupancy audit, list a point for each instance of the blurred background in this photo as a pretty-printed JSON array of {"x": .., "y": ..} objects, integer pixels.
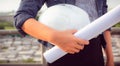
[{"x": 16, "y": 50}]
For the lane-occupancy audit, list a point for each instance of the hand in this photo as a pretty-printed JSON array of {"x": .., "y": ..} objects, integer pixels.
[{"x": 68, "y": 42}]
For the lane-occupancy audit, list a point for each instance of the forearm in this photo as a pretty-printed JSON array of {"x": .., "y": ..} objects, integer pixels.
[
  {"x": 63, "y": 39},
  {"x": 108, "y": 49},
  {"x": 37, "y": 29}
]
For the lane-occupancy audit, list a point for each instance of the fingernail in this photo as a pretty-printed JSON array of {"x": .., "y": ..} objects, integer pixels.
[{"x": 87, "y": 42}]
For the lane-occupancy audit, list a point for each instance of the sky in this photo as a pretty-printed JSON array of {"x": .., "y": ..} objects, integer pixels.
[
  {"x": 9, "y": 5},
  {"x": 113, "y": 3},
  {"x": 12, "y": 5}
]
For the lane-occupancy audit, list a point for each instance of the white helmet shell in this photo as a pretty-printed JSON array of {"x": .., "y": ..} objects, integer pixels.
[{"x": 64, "y": 16}]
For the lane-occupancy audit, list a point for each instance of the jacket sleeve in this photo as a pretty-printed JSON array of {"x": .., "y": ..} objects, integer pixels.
[
  {"x": 105, "y": 6},
  {"x": 27, "y": 9}
]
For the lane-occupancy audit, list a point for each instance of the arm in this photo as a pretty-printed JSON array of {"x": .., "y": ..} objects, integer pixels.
[
  {"x": 108, "y": 49},
  {"x": 26, "y": 24},
  {"x": 107, "y": 37},
  {"x": 63, "y": 39},
  {"x": 27, "y": 9}
]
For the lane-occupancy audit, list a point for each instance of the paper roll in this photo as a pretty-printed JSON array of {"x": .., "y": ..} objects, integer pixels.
[{"x": 90, "y": 31}]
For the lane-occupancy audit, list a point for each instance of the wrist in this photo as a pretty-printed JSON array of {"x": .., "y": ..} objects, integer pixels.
[{"x": 52, "y": 36}]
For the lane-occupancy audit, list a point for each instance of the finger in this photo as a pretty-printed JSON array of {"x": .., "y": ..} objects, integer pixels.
[
  {"x": 81, "y": 41},
  {"x": 82, "y": 46},
  {"x": 70, "y": 51},
  {"x": 79, "y": 46},
  {"x": 75, "y": 50}
]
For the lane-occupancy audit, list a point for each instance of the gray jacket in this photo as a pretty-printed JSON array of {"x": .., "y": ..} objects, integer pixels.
[{"x": 29, "y": 8}]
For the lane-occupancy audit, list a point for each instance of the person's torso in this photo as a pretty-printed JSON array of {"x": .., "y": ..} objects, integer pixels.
[
  {"x": 89, "y": 6},
  {"x": 99, "y": 4}
]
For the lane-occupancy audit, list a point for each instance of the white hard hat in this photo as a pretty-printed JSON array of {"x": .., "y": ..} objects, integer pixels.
[{"x": 64, "y": 16}]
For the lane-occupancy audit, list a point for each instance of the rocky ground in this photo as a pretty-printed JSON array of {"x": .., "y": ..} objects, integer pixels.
[
  {"x": 16, "y": 49},
  {"x": 116, "y": 47}
]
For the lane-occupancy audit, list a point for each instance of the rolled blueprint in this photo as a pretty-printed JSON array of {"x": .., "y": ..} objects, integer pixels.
[{"x": 88, "y": 32}]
